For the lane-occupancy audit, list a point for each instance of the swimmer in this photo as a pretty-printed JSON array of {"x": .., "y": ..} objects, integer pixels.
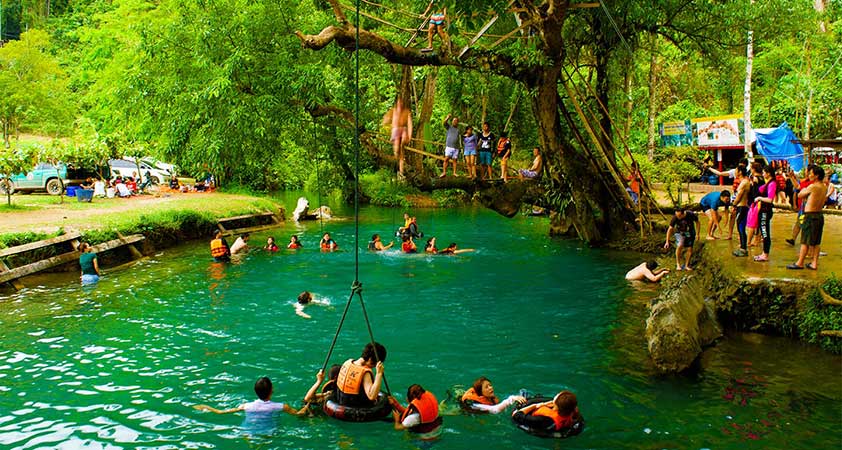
[
  {"x": 452, "y": 250},
  {"x": 376, "y": 245},
  {"x": 327, "y": 390},
  {"x": 431, "y": 246},
  {"x": 480, "y": 397},
  {"x": 294, "y": 243},
  {"x": 306, "y": 298},
  {"x": 263, "y": 404},
  {"x": 421, "y": 415},
  {"x": 327, "y": 243},
  {"x": 560, "y": 413},
  {"x": 408, "y": 246},
  {"x": 270, "y": 245},
  {"x": 647, "y": 271}
]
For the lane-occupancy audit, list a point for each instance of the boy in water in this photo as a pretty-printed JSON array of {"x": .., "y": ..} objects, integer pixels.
[
  {"x": 647, "y": 271},
  {"x": 263, "y": 404},
  {"x": 683, "y": 225}
]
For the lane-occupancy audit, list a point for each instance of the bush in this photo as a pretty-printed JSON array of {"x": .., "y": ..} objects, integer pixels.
[
  {"x": 448, "y": 198},
  {"x": 674, "y": 167},
  {"x": 818, "y": 316},
  {"x": 384, "y": 190}
]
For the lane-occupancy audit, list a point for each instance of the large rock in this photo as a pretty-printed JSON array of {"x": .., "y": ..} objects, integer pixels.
[{"x": 681, "y": 324}]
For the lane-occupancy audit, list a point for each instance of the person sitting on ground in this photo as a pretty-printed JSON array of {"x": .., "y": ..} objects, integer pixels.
[
  {"x": 812, "y": 226},
  {"x": 710, "y": 204},
  {"x": 122, "y": 189},
  {"x": 174, "y": 183},
  {"x": 408, "y": 245},
  {"x": 270, "y": 245},
  {"x": 306, "y": 298},
  {"x": 683, "y": 227},
  {"x": 328, "y": 244},
  {"x": 219, "y": 248},
  {"x": 241, "y": 244},
  {"x": 421, "y": 416},
  {"x": 88, "y": 184},
  {"x": 99, "y": 188},
  {"x": 263, "y": 405},
  {"x": 132, "y": 185},
  {"x": 89, "y": 264},
  {"x": 647, "y": 270},
  {"x": 357, "y": 385},
  {"x": 376, "y": 245},
  {"x": 560, "y": 413},
  {"x": 438, "y": 25},
  {"x": 480, "y": 398},
  {"x": 294, "y": 243},
  {"x": 535, "y": 170},
  {"x": 316, "y": 395},
  {"x": 431, "y": 246}
]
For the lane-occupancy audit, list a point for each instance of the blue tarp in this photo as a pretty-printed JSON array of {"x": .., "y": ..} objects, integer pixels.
[{"x": 777, "y": 145}]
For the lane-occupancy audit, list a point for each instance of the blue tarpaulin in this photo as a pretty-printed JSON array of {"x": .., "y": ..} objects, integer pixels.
[{"x": 777, "y": 145}]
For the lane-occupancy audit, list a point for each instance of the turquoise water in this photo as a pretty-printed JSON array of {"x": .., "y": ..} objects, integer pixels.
[{"x": 121, "y": 366}]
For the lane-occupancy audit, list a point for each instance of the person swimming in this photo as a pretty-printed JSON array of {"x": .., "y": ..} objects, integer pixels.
[
  {"x": 560, "y": 413},
  {"x": 376, "y": 244},
  {"x": 431, "y": 246},
  {"x": 452, "y": 250},
  {"x": 408, "y": 246},
  {"x": 316, "y": 395},
  {"x": 294, "y": 243},
  {"x": 327, "y": 243},
  {"x": 306, "y": 298},
  {"x": 421, "y": 416},
  {"x": 480, "y": 398},
  {"x": 270, "y": 245}
]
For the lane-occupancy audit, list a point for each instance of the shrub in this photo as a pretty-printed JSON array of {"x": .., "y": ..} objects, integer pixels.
[
  {"x": 817, "y": 316},
  {"x": 384, "y": 190}
]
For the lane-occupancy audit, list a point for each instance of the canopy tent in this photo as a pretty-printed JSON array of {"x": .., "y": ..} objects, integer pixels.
[{"x": 776, "y": 144}]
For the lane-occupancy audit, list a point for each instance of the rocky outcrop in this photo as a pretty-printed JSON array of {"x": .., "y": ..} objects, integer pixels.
[{"x": 681, "y": 325}]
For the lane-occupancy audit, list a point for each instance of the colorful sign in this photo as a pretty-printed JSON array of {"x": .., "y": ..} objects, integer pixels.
[
  {"x": 718, "y": 131},
  {"x": 676, "y": 134}
]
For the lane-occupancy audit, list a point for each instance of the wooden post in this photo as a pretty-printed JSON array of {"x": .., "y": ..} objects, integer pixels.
[{"x": 136, "y": 254}]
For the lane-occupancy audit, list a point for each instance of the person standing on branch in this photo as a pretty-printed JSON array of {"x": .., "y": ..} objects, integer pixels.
[
  {"x": 438, "y": 25},
  {"x": 451, "y": 144},
  {"x": 400, "y": 118},
  {"x": 504, "y": 152},
  {"x": 486, "y": 146}
]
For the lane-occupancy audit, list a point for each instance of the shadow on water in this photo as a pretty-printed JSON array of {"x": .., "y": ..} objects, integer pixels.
[{"x": 122, "y": 365}]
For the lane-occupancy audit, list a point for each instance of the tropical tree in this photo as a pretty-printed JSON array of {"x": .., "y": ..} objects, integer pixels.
[{"x": 13, "y": 162}]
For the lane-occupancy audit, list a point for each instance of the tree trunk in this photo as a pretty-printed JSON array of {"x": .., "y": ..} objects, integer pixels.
[
  {"x": 653, "y": 94},
  {"x": 747, "y": 91},
  {"x": 428, "y": 100},
  {"x": 627, "y": 91},
  {"x": 602, "y": 55}
]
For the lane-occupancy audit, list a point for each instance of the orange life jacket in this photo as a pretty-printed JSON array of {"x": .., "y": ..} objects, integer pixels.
[
  {"x": 427, "y": 406},
  {"x": 501, "y": 146},
  {"x": 471, "y": 395},
  {"x": 350, "y": 379},
  {"x": 218, "y": 248},
  {"x": 559, "y": 420}
]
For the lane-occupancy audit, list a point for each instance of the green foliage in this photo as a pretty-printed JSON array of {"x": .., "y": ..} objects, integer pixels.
[
  {"x": 384, "y": 190},
  {"x": 816, "y": 317},
  {"x": 14, "y": 239},
  {"x": 448, "y": 198},
  {"x": 673, "y": 166}
]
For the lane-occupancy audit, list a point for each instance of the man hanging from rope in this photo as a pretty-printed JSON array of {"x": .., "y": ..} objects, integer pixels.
[
  {"x": 438, "y": 25},
  {"x": 358, "y": 386},
  {"x": 400, "y": 118}
]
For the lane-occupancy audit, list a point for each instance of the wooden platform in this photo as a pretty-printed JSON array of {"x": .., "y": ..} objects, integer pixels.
[{"x": 226, "y": 232}]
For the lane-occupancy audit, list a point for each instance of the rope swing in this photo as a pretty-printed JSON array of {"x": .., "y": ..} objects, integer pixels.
[{"x": 356, "y": 287}]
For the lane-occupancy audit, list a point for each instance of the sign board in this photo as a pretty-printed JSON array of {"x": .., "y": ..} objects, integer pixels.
[
  {"x": 718, "y": 131},
  {"x": 676, "y": 134}
]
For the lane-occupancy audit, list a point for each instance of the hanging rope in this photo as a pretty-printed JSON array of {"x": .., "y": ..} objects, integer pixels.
[
  {"x": 318, "y": 179},
  {"x": 356, "y": 287}
]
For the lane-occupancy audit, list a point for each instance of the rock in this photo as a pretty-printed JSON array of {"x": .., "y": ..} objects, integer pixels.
[{"x": 681, "y": 324}]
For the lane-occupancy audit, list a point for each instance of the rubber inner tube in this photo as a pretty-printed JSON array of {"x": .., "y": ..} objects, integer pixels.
[
  {"x": 380, "y": 410},
  {"x": 518, "y": 418}
]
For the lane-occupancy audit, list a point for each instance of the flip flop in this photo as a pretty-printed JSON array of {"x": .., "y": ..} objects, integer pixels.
[
  {"x": 810, "y": 266},
  {"x": 794, "y": 266},
  {"x": 761, "y": 259}
]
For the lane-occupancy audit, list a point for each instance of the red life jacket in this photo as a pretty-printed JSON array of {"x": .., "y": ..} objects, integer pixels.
[
  {"x": 427, "y": 406},
  {"x": 560, "y": 421},
  {"x": 471, "y": 395}
]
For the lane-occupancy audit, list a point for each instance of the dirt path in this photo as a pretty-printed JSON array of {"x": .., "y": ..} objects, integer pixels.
[{"x": 72, "y": 216}]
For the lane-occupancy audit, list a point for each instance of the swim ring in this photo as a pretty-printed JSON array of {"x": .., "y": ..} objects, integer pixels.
[{"x": 518, "y": 419}]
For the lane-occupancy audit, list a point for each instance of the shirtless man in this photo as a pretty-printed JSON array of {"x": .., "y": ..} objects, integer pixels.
[
  {"x": 401, "y": 120},
  {"x": 535, "y": 169},
  {"x": 647, "y": 271},
  {"x": 813, "y": 225},
  {"x": 741, "y": 209}
]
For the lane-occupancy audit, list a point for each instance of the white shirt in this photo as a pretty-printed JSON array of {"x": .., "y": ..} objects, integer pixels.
[
  {"x": 261, "y": 406},
  {"x": 238, "y": 246}
]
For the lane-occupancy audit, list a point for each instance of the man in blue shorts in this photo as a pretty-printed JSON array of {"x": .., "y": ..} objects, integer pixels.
[
  {"x": 683, "y": 228},
  {"x": 710, "y": 204}
]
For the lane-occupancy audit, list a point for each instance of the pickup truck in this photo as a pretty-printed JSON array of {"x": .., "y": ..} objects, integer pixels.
[{"x": 45, "y": 177}]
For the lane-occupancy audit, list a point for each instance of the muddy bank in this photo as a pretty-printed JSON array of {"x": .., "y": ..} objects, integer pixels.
[{"x": 693, "y": 309}]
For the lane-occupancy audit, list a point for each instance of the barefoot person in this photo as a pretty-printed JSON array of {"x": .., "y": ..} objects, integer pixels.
[
  {"x": 504, "y": 152},
  {"x": 741, "y": 209},
  {"x": 683, "y": 227},
  {"x": 647, "y": 271},
  {"x": 534, "y": 171},
  {"x": 438, "y": 25},
  {"x": 401, "y": 120},
  {"x": 814, "y": 197},
  {"x": 452, "y": 143},
  {"x": 710, "y": 204},
  {"x": 764, "y": 209}
]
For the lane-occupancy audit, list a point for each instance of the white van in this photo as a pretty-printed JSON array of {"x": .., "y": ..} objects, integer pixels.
[{"x": 128, "y": 168}]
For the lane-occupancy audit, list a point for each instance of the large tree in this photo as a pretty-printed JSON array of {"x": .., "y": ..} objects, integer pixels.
[{"x": 583, "y": 183}]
